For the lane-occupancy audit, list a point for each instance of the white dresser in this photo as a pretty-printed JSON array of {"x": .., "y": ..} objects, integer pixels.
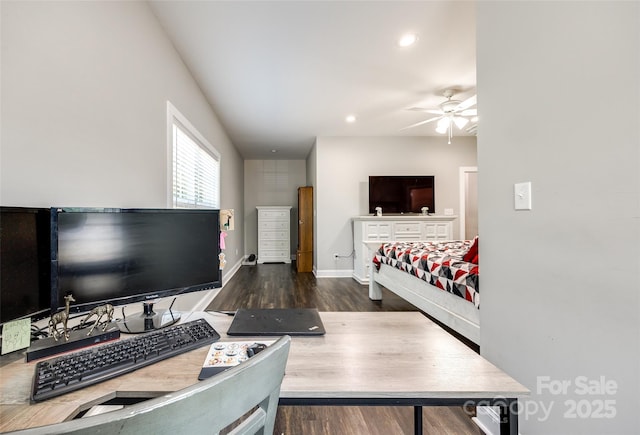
[
  {"x": 274, "y": 234},
  {"x": 388, "y": 228}
]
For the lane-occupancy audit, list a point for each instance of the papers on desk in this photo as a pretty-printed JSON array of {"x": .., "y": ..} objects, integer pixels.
[
  {"x": 225, "y": 354},
  {"x": 16, "y": 335}
]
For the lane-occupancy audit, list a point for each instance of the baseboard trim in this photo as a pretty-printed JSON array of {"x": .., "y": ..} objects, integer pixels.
[{"x": 334, "y": 273}]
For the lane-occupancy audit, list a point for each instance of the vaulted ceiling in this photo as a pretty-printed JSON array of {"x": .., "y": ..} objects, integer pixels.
[{"x": 280, "y": 73}]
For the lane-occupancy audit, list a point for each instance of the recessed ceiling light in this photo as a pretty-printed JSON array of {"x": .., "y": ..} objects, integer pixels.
[
  {"x": 350, "y": 119},
  {"x": 407, "y": 40},
  {"x": 274, "y": 151}
]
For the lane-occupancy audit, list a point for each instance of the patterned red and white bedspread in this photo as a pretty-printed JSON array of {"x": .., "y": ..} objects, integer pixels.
[{"x": 438, "y": 263}]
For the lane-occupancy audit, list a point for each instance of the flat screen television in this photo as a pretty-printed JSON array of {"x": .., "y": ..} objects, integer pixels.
[
  {"x": 24, "y": 263},
  {"x": 401, "y": 193},
  {"x": 123, "y": 256}
]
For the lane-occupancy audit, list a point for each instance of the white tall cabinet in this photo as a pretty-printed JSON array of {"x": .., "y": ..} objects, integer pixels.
[
  {"x": 274, "y": 234},
  {"x": 393, "y": 228}
]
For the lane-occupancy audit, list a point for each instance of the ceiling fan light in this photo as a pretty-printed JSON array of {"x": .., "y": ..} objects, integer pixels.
[
  {"x": 460, "y": 122},
  {"x": 443, "y": 124},
  {"x": 441, "y": 130}
]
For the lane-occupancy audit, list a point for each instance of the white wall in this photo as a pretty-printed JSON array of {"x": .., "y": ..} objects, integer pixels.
[
  {"x": 560, "y": 283},
  {"x": 342, "y": 183},
  {"x": 84, "y": 91},
  {"x": 271, "y": 182}
]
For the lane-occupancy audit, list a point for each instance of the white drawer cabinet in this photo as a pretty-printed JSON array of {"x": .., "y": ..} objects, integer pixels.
[
  {"x": 392, "y": 228},
  {"x": 378, "y": 230},
  {"x": 437, "y": 230},
  {"x": 274, "y": 234},
  {"x": 406, "y": 231}
]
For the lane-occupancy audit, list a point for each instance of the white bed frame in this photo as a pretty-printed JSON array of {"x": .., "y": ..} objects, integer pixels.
[{"x": 453, "y": 311}]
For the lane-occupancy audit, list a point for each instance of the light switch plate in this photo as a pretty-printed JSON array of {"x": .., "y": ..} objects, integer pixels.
[{"x": 522, "y": 196}]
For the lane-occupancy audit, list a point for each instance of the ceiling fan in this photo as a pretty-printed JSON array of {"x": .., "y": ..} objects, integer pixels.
[{"x": 449, "y": 113}]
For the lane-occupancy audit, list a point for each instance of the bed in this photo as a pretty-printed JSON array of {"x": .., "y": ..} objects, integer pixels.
[{"x": 439, "y": 278}]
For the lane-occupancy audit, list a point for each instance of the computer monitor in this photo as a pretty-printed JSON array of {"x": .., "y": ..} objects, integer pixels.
[
  {"x": 123, "y": 256},
  {"x": 24, "y": 263}
]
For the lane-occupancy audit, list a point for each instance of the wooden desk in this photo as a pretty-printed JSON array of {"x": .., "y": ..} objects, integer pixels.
[{"x": 365, "y": 358}]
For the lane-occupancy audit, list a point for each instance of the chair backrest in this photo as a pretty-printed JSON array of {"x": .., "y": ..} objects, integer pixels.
[{"x": 203, "y": 408}]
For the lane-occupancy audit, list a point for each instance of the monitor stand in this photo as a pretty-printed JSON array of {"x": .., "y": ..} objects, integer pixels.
[{"x": 148, "y": 320}]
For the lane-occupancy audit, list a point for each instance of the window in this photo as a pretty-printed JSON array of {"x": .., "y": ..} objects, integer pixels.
[{"x": 194, "y": 180}]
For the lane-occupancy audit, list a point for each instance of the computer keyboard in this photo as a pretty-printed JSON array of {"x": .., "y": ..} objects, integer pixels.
[{"x": 80, "y": 369}]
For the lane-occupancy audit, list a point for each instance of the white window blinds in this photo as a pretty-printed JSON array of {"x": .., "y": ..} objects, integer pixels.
[{"x": 196, "y": 171}]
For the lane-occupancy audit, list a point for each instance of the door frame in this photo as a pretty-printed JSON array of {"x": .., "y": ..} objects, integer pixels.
[{"x": 463, "y": 194}]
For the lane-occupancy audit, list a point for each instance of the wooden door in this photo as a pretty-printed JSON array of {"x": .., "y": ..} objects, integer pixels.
[{"x": 304, "y": 257}]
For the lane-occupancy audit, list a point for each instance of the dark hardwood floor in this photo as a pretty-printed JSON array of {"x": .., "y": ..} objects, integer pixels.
[{"x": 280, "y": 286}]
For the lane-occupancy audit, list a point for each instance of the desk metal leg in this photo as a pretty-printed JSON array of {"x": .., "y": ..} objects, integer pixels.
[
  {"x": 509, "y": 418},
  {"x": 417, "y": 420}
]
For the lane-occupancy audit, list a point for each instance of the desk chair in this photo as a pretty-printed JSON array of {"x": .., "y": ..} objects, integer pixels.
[{"x": 204, "y": 408}]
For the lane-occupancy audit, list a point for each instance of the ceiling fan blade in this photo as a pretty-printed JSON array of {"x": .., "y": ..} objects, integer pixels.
[
  {"x": 469, "y": 112},
  {"x": 421, "y": 123},
  {"x": 422, "y": 109},
  {"x": 471, "y": 101}
]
